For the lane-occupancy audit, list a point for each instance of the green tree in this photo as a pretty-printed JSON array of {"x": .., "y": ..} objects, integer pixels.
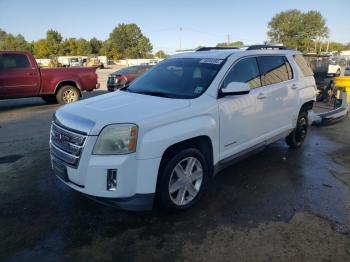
[
  {"x": 160, "y": 54},
  {"x": 297, "y": 29},
  {"x": 68, "y": 47},
  {"x": 104, "y": 48},
  {"x": 127, "y": 41},
  {"x": 17, "y": 43},
  {"x": 225, "y": 44},
  {"x": 95, "y": 45},
  {"x": 83, "y": 47},
  {"x": 41, "y": 49},
  {"x": 3, "y": 35},
  {"x": 54, "y": 40},
  {"x": 333, "y": 46}
]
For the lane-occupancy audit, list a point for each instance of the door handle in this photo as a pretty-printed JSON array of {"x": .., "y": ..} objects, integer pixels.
[
  {"x": 261, "y": 96},
  {"x": 294, "y": 86}
]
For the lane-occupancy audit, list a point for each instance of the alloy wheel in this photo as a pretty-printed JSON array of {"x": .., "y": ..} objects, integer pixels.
[
  {"x": 69, "y": 96},
  {"x": 185, "y": 181}
]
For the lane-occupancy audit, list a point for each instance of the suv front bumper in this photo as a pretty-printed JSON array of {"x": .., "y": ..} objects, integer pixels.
[{"x": 136, "y": 178}]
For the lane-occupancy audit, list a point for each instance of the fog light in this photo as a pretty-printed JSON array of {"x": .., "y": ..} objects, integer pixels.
[{"x": 112, "y": 179}]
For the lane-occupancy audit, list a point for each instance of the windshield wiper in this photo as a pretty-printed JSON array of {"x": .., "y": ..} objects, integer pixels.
[{"x": 151, "y": 93}]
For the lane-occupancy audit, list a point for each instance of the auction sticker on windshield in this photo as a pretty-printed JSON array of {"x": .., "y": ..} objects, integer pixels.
[{"x": 211, "y": 61}]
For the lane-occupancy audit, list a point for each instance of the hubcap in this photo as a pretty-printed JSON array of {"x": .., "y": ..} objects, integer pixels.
[
  {"x": 185, "y": 181},
  {"x": 301, "y": 130},
  {"x": 69, "y": 96}
]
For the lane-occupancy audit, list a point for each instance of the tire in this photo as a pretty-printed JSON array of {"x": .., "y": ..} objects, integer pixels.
[
  {"x": 67, "y": 94},
  {"x": 176, "y": 190},
  {"x": 297, "y": 137},
  {"x": 50, "y": 99}
]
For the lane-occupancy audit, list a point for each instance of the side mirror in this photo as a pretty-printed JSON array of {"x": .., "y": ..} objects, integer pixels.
[{"x": 235, "y": 88}]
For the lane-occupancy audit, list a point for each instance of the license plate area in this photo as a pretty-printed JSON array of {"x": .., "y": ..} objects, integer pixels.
[{"x": 59, "y": 170}]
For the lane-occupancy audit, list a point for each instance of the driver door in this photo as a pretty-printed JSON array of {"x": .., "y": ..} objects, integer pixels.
[{"x": 240, "y": 115}]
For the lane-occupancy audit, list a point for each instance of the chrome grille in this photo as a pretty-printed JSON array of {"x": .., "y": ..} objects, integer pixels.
[{"x": 66, "y": 145}]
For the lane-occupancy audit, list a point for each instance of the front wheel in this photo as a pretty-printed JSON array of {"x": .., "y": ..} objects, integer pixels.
[
  {"x": 297, "y": 137},
  {"x": 67, "y": 94},
  {"x": 182, "y": 180}
]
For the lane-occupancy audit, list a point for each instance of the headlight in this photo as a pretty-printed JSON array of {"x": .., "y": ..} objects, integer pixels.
[{"x": 117, "y": 139}]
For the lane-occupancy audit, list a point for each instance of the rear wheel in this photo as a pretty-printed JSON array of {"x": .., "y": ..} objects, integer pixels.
[
  {"x": 67, "y": 94},
  {"x": 297, "y": 137},
  {"x": 182, "y": 180}
]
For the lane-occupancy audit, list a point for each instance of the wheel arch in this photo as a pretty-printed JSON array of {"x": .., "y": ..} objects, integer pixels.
[
  {"x": 203, "y": 143},
  {"x": 307, "y": 106},
  {"x": 62, "y": 83}
]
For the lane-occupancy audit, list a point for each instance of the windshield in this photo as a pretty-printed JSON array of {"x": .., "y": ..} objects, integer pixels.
[{"x": 178, "y": 78}]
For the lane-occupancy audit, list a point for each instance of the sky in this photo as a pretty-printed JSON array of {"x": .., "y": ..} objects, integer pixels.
[{"x": 203, "y": 22}]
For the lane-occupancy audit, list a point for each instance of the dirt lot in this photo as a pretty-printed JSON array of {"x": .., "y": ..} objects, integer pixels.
[{"x": 278, "y": 205}]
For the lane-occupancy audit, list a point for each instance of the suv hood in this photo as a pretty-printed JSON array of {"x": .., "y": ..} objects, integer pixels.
[{"x": 91, "y": 115}]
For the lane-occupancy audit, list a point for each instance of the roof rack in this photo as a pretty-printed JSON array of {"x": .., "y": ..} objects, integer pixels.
[
  {"x": 262, "y": 47},
  {"x": 217, "y": 48}
]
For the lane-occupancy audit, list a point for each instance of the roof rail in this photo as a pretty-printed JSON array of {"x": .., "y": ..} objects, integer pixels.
[
  {"x": 260, "y": 47},
  {"x": 217, "y": 48}
]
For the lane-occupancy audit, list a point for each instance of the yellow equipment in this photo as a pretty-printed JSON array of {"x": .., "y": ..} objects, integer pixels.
[
  {"x": 343, "y": 84},
  {"x": 94, "y": 62}
]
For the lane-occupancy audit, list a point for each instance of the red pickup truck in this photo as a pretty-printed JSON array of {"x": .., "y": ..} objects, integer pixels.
[{"x": 20, "y": 76}]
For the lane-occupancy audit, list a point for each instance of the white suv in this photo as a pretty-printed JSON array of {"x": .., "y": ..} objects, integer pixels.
[{"x": 164, "y": 136}]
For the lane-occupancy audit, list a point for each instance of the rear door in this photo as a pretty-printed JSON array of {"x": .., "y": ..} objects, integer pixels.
[
  {"x": 18, "y": 77},
  {"x": 278, "y": 94}
]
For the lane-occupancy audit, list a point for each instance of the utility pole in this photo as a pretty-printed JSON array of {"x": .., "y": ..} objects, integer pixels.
[
  {"x": 228, "y": 39},
  {"x": 180, "y": 38}
]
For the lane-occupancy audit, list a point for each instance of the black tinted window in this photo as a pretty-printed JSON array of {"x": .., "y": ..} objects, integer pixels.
[
  {"x": 11, "y": 61},
  {"x": 273, "y": 69},
  {"x": 245, "y": 71},
  {"x": 304, "y": 67}
]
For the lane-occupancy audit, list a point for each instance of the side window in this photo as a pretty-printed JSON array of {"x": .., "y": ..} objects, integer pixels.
[
  {"x": 273, "y": 69},
  {"x": 245, "y": 71},
  {"x": 13, "y": 61},
  {"x": 304, "y": 67}
]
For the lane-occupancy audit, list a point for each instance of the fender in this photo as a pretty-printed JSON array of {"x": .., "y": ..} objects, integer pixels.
[
  {"x": 154, "y": 142},
  {"x": 67, "y": 80}
]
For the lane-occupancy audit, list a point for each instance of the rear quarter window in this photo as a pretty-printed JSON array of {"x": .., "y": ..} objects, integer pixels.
[
  {"x": 274, "y": 69},
  {"x": 302, "y": 64}
]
